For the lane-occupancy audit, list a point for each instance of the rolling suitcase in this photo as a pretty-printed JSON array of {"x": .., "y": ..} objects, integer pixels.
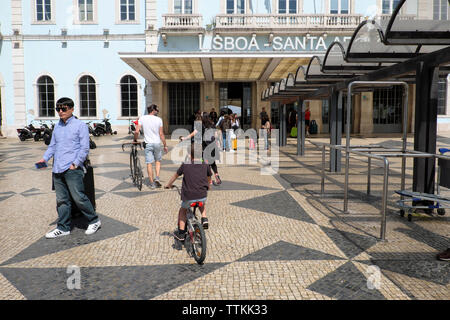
[{"x": 313, "y": 127}]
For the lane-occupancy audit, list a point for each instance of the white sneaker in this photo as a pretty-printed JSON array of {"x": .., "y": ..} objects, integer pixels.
[
  {"x": 56, "y": 233},
  {"x": 93, "y": 227}
]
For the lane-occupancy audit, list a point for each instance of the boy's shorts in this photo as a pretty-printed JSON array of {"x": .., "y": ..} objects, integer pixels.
[
  {"x": 186, "y": 204},
  {"x": 153, "y": 152}
]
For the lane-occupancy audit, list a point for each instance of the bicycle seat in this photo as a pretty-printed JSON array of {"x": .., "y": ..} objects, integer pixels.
[{"x": 196, "y": 204}]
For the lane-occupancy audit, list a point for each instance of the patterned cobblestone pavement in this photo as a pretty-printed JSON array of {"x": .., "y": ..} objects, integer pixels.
[{"x": 270, "y": 236}]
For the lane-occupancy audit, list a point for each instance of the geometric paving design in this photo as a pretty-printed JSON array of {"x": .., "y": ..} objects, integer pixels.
[
  {"x": 110, "y": 228},
  {"x": 351, "y": 244},
  {"x": 103, "y": 283},
  {"x": 278, "y": 203},
  {"x": 233, "y": 186},
  {"x": 283, "y": 251},
  {"x": 343, "y": 279},
  {"x": 346, "y": 283},
  {"x": 434, "y": 270}
]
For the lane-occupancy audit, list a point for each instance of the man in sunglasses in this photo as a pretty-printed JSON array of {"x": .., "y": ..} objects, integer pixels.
[{"x": 69, "y": 148}]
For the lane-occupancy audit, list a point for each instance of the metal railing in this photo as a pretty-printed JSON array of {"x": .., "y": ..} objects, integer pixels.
[
  {"x": 182, "y": 21},
  {"x": 279, "y": 21}
]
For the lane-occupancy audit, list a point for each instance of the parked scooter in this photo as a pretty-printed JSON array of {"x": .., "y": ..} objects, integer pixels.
[
  {"x": 26, "y": 132},
  {"x": 103, "y": 128},
  {"x": 91, "y": 129},
  {"x": 92, "y": 144},
  {"x": 47, "y": 136},
  {"x": 39, "y": 132}
]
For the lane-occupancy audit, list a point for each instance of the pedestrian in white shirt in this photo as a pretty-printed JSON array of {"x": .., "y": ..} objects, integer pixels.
[{"x": 153, "y": 135}]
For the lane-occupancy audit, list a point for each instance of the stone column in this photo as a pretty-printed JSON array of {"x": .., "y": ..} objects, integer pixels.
[
  {"x": 366, "y": 118},
  {"x": 158, "y": 98},
  {"x": 18, "y": 66},
  {"x": 209, "y": 96}
]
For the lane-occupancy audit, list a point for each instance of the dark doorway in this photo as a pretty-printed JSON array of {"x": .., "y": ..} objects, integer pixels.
[
  {"x": 237, "y": 96},
  {"x": 184, "y": 98}
]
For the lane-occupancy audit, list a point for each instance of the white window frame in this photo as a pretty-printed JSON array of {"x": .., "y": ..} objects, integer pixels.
[
  {"x": 235, "y": 9},
  {"x": 287, "y": 7},
  {"x": 183, "y": 7},
  {"x": 76, "y": 16},
  {"x": 137, "y": 13},
  {"x": 119, "y": 95},
  {"x": 391, "y": 7},
  {"x": 34, "y": 13},
  {"x": 340, "y": 7},
  {"x": 78, "y": 99},
  {"x": 36, "y": 97},
  {"x": 440, "y": 11}
]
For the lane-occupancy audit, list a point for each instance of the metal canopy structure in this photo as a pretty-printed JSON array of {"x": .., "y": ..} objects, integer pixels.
[
  {"x": 417, "y": 28},
  {"x": 214, "y": 66},
  {"x": 408, "y": 48}
]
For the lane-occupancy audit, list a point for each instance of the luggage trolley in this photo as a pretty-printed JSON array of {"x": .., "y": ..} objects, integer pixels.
[{"x": 438, "y": 202}]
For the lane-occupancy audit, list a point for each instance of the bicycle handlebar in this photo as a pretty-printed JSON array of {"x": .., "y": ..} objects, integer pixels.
[
  {"x": 175, "y": 187},
  {"x": 139, "y": 143}
]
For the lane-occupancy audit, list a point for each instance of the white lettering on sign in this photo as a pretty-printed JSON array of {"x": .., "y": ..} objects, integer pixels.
[{"x": 241, "y": 43}]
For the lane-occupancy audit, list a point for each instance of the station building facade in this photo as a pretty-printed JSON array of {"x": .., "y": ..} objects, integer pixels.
[{"x": 116, "y": 57}]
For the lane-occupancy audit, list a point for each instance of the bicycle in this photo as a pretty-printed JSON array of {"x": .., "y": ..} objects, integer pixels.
[
  {"x": 135, "y": 165},
  {"x": 195, "y": 238}
]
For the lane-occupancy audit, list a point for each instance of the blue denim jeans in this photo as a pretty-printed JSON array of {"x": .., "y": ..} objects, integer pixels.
[
  {"x": 70, "y": 183},
  {"x": 226, "y": 145}
]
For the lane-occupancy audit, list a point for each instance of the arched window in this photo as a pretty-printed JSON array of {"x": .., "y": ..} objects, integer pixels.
[
  {"x": 46, "y": 96},
  {"x": 88, "y": 97},
  {"x": 129, "y": 96}
]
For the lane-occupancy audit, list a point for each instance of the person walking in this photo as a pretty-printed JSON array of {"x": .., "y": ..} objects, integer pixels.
[
  {"x": 225, "y": 126},
  {"x": 207, "y": 137},
  {"x": 267, "y": 130},
  {"x": 307, "y": 120},
  {"x": 262, "y": 115},
  {"x": 69, "y": 148},
  {"x": 213, "y": 115},
  {"x": 153, "y": 136}
]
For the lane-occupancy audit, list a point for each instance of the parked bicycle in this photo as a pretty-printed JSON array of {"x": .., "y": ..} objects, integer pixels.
[
  {"x": 135, "y": 165},
  {"x": 195, "y": 240}
]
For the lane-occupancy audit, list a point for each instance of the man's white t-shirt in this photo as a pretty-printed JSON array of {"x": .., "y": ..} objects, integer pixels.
[{"x": 151, "y": 124}]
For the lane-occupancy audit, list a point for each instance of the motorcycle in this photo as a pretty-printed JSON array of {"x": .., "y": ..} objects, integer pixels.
[
  {"x": 39, "y": 132},
  {"x": 26, "y": 132},
  {"x": 91, "y": 129},
  {"x": 92, "y": 144},
  {"x": 103, "y": 128},
  {"x": 47, "y": 136}
]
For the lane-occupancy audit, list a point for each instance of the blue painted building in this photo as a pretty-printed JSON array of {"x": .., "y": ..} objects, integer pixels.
[{"x": 114, "y": 57}]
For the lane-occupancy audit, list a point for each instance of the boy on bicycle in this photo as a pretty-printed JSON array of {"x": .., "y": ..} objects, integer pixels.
[{"x": 196, "y": 183}]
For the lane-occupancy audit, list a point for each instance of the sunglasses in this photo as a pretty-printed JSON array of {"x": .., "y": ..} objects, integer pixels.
[{"x": 63, "y": 109}]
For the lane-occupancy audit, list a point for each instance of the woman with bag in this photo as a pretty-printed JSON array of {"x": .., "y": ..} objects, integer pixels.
[{"x": 234, "y": 126}]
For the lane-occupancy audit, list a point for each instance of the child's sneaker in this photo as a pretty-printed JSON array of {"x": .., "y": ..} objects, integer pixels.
[
  {"x": 179, "y": 235},
  {"x": 205, "y": 223}
]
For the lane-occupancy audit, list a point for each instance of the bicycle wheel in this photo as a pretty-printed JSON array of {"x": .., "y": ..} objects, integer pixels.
[
  {"x": 139, "y": 176},
  {"x": 198, "y": 243},
  {"x": 132, "y": 168}
]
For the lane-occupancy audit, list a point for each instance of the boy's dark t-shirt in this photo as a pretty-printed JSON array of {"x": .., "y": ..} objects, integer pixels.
[{"x": 195, "y": 180}]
